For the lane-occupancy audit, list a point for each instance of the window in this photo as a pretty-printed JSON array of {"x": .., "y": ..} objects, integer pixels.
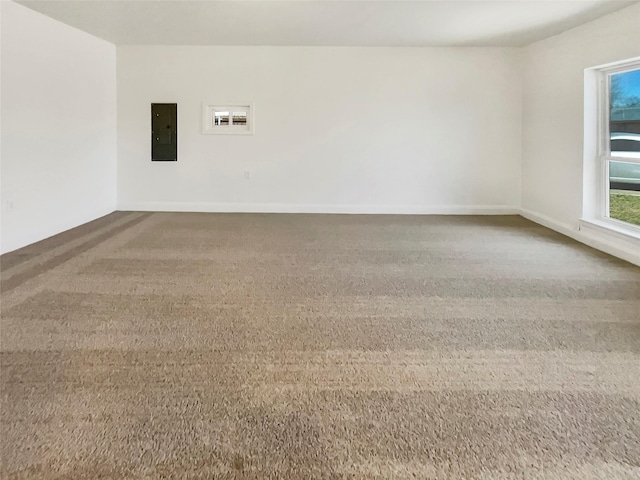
[
  {"x": 619, "y": 145},
  {"x": 227, "y": 119}
]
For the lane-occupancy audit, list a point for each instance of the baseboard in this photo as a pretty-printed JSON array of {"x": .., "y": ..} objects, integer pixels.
[
  {"x": 611, "y": 244},
  {"x": 563, "y": 228},
  {"x": 38, "y": 233},
  {"x": 318, "y": 208},
  {"x": 608, "y": 243}
]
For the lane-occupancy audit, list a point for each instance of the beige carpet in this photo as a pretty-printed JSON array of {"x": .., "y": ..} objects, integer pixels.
[{"x": 204, "y": 346}]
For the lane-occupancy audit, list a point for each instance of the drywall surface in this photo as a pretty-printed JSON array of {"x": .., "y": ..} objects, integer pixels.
[
  {"x": 58, "y": 142},
  {"x": 554, "y": 115},
  {"x": 372, "y": 130}
]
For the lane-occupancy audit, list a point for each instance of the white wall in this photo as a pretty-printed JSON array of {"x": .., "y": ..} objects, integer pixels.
[
  {"x": 553, "y": 121},
  {"x": 337, "y": 129},
  {"x": 58, "y": 147}
]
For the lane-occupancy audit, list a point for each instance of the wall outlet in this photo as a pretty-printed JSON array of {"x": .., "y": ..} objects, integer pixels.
[{"x": 247, "y": 174}]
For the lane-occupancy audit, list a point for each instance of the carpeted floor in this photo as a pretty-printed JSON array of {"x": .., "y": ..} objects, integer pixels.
[{"x": 203, "y": 346}]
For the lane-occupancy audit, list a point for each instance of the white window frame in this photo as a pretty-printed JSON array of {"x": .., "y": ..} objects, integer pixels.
[
  {"x": 208, "y": 128},
  {"x": 604, "y": 154}
]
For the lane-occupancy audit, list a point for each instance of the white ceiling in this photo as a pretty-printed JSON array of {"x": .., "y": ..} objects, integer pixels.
[{"x": 324, "y": 23}]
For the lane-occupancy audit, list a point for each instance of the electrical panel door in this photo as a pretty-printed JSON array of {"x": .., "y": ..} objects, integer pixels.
[{"x": 164, "y": 132}]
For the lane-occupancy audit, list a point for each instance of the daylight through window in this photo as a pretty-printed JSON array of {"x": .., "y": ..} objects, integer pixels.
[
  {"x": 622, "y": 157},
  {"x": 227, "y": 119}
]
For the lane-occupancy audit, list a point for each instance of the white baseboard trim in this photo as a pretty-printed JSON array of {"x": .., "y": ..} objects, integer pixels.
[
  {"x": 38, "y": 233},
  {"x": 611, "y": 243},
  {"x": 318, "y": 208},
  {"x": 563, "y": 228},
  {"x": 601, "y": 241}
]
